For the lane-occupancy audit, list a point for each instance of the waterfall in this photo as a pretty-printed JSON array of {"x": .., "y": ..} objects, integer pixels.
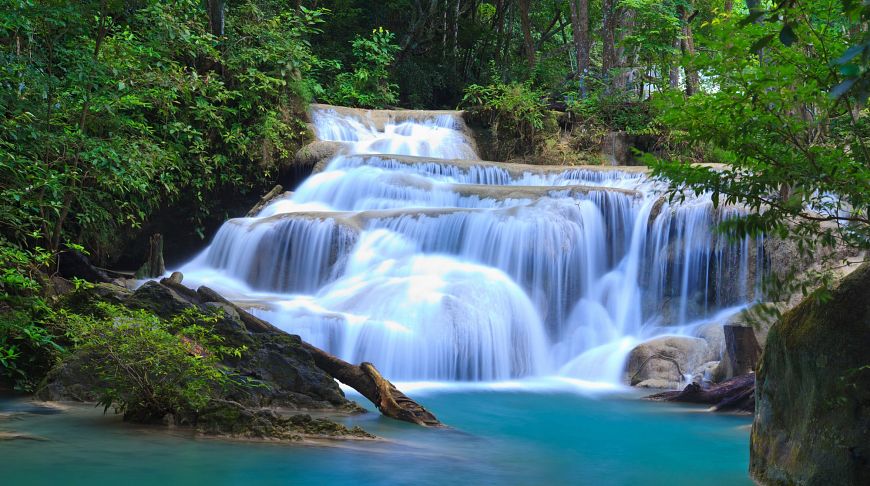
[{"x": 410, "y": 252}]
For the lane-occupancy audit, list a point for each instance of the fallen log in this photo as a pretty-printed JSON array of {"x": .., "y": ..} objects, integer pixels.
[
  {"x": 734, "y": 395},
  {"x": 364, "y": 378},
  {"x": 265, "y": 200}
]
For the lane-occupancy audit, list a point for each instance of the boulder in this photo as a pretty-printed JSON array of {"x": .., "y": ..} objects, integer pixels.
[
  {"x": 714, "y": 334},
  {"x": 315, "y": 154},
  {"x": 812, "y": 416},
  {"x": 667, "y": 359},
  {"x": 159, "y": 299}
]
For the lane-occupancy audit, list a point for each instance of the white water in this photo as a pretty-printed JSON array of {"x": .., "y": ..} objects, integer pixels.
[{"x": 441, "y": 270}]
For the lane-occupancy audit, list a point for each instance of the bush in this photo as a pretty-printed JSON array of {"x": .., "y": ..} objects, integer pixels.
[
  {"x": 146, "y": 368},
  {"x": 612, "y": 112},
  {"x": 368, "y": 85},
  {"x": 515, "y": 113},
  {"x": 28, "y": 348}
]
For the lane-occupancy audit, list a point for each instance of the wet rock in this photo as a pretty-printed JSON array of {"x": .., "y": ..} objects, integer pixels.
[
  {"x": 235, "y": 420},
  {"x": 812, "y": 417},
  {"x": 703, "y": 375},
  {"x": 315, "y": 154},
  {"x": 666, "y": 359},
  {"x": 6, "y": 436},
  {"x": 159, "y": 299},
  {"x": 714, "y": 334}
]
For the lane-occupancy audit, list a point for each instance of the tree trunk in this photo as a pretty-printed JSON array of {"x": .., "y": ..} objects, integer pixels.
[
  {"x": 366, "y": 379},
  {"x": 687, "y": 47},
  {"x": 528, "y": 42},
  {"x": 729, "y": 6},
  {"x": 265, "y": 200},
  {"x": 580, "y": 29},
  {"x": 609, "y": 57},
  {"x": 153, "y": 266},
  {"x": 216, "y": 16}
]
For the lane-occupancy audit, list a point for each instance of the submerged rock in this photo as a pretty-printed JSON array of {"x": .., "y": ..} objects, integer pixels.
[
  {"x": 812, "y": 419},
  {"x": 666, "y": 360}
]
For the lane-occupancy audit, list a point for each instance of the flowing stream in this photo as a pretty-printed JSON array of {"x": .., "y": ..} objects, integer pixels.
[{"x": 409, "y": 252}]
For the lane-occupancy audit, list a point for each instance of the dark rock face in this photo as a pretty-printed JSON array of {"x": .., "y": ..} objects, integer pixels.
[
  {"x": 285, "y": 368},
  {"x": 812, "y": 416},
  {"x": 72, "y": 264}
]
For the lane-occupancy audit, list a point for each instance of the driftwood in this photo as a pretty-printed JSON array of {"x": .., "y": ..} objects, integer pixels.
[
  {"x": 265, "y": 200},
  {"x": 364, "y": 378},
  {"x": 734, "y": 395}
]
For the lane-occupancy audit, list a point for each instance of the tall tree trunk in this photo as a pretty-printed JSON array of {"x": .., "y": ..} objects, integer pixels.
[
  {"x": 528, "y": 42},
  {"x": 687, "y": 47},
  {"x": 609, "y": 26},
  {"x": 216, "y": 16},
  {"x": 580, "y": 29},
  {"x": 729, "y": 6}
]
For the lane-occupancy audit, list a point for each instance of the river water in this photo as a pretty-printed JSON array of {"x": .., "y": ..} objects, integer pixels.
[{"x": 545, "y": 437}]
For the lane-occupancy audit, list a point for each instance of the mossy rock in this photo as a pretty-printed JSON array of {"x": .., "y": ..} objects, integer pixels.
[{"x": 812, "y": 416}]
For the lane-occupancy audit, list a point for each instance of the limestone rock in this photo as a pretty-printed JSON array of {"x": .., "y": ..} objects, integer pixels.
[
  {"x": 703, "y": 375},
  {"x": 667, "y": 358},
  {"x": 812, "y": 416},
  {"x": 714, "y": 334},
  {"x": 315, "y": 153}
]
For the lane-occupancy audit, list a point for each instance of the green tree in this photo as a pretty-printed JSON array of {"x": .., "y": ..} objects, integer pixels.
[
  {"x": 797, "y": 157},
  {"x": 368, "y": 85}
]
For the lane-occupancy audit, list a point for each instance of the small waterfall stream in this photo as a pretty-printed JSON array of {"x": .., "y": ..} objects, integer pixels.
[{"x": 409, "y": 252}]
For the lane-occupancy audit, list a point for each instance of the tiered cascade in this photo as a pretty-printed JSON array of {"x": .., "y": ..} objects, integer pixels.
[{"x": 409, "y": 252}]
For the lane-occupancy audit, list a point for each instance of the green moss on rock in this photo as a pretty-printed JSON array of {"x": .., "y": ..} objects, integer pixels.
[{"x": 812, "y": 416}]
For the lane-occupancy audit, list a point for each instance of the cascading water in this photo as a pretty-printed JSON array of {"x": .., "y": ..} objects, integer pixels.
[{"x": 408, "y": 252}]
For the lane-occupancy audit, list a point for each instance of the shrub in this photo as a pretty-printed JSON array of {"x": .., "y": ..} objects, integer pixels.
[
  {"x": 515, "y": 113},
  {"x": 27, "y": 347},
  {"x": 368, "y": 85},
  {"x": 146, "y": 368}
]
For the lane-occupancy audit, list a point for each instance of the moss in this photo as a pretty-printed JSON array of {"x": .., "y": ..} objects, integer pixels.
[
  {"x": 812, "y": 419},
  {"x": 233, "y": 420}
]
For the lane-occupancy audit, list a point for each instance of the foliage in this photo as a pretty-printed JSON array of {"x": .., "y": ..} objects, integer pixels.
[
  {"x": 797, "y": 157},
  {"x": 368, "y": 85},
  {"x": 27, "y": 346},
  {"x": 145, "y": 367},
  {"x": 516, "y": 114},
  {"x": 615, "y": 111},
  {"x": 111, "y": 112}
]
